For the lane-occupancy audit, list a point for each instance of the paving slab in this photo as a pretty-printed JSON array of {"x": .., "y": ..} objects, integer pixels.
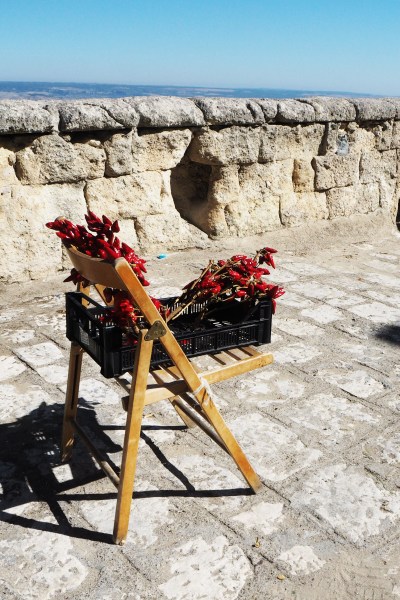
[{"x": 320, "y": 425}]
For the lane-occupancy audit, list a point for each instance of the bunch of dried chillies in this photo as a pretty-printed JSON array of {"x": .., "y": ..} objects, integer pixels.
[
  {"x": 239, "y": 278},
  {"x": 103, "y": 243}
]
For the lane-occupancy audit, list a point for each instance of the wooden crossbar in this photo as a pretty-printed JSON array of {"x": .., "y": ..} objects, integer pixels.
[{"x": 174, "y": 388}]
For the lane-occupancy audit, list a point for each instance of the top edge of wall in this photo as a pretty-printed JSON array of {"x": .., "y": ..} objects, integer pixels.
[{"x": 35, "y": 117}]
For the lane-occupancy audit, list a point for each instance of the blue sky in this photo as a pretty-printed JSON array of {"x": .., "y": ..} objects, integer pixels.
[{"x": 342, "y": 45}]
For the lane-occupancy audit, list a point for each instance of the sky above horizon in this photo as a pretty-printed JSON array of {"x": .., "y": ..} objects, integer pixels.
[{"x": 333, "y": 45}]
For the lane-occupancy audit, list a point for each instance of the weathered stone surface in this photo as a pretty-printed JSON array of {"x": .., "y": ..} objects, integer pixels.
[
  {"x": 360, "y": 138},
  {"x": 303, "y": 176},
  {"x": 383, "y": 135},
  {"x": 395, "y": 143},
  {"x": 335, "y": 171},
  {"x": 396, "y": 103},
  {"x": 373, "y": 109},
  {"x": 343, "y": 202},
  {"x": 159, "y": 151},
  {"x": 277, "y": 176},
  {"x": 118, "y": 150},
  {"x": 7, "y": 172},
  {"x": 269, "y": 108},
  {"x": 374, "y": 166},
  {"x": 32, "y": 251},
  {"x": 206, "y": 208},
  {"x": 93, "y": 158},
  {"x": 280, "y": 142},
  {"x": 165, "y": 111},
  {"x": 296, "y": 209},
  {"x": 144, "y": 204},
  {"x": 51, "y": 159},
  {"x": 223, "y": 185},
  {"x": 294, "y": 111},
  {"x": 230, "y": 111},
  {"x": 233, "y": 145},
  {"x": 331, "y": 109},
  {"x": 24, "y": 116},
  {"x": 169, "y": 232},
  {"x": 130, "y": 195},
  {"x": 260, "y": 189},
  {"x": 92, "y": 115},
  {"x": 389, "y": 196}
]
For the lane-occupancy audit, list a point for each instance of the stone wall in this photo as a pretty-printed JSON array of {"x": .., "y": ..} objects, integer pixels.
[{"x": 178, "y": 171}]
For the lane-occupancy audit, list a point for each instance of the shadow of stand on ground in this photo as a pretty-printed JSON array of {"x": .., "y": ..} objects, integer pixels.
[{"x": 30, "y": 453}]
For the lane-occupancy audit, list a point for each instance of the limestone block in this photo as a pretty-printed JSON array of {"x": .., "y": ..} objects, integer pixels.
[
  {"x": 233, "y": 145},
  {"x": 169, "y": 232},
  {"x": 260, "y": 189},
  {"x": 93, "y": 158},
  {"x": 273, "y": 177},
  {"x": 119, "y": 160},
  {"x": 374, "y": 166},
  {"x": 280, "y": 142},
  {"x": 331, "y": 109},
  {"x": 25, "y": 116},
  {"x": 383, "y": 135},
  {"x": 373, "y": 109},
  {"x": 130, "y": 195},
  {"x": 92, "y": 115},
  {"x": 223, "y": 185},
  {"x": 28, "y": 249},
  {"x": 296, "y": 209},
  {"x": 346, "y": 201},
  {"x": 396, "y": 135},
  {"x": 361, "y": 138},
  {"x": 389, "y": 195},
  {"x": 303, "y": 176},
  {"x": 230, "y": 111},
  {"x": 159, "y": 151},
  {"x": 51, "y": 159},
  {"x": 396, "y": 103},
  {"x": 166, "y": 111},
  {"x": 335, "y": 171},
  {"x": 294, "y": 111},
  {"x": 7, "y": 172},
  {"x": 269, "y": 108}
]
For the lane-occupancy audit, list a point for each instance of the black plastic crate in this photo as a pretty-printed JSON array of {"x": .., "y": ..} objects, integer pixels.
[{"x": 232, "y": 325}]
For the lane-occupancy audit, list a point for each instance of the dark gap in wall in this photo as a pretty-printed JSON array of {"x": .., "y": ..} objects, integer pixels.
[
  {"x": 398, "y": 216},
  {"x": 189, "y": 188}
]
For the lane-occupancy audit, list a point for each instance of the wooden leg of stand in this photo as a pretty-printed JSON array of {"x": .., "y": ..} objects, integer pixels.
[
  {"x": 132, "y": 436},
  {"x": 227, "y": 437},
  {"x": 71, "y": 400}
]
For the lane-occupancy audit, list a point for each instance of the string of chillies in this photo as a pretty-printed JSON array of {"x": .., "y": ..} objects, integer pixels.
[
  {"x": 239, "y": 277},
  {"x": 103, "y": 243}
]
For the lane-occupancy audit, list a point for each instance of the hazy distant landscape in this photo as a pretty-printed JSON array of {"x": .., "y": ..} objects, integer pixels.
[{"x": 72, "y": 91}]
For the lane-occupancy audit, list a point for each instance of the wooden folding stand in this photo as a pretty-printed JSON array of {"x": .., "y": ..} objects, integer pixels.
[{"x": 197, "y": 408}]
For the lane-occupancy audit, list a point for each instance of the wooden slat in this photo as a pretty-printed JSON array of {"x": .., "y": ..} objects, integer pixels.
[
  {"x": 132, "y": 436},
  {"x": 175, "y": 388},
  {"x": 165, "y": 376},
  {"x": 71, "y": 400},
  {"x": 100, "y": 458},
  {"x": 200, "y": 421}
]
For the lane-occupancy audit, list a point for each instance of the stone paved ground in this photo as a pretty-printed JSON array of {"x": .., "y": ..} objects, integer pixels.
[{"x": 320, "y": 426}]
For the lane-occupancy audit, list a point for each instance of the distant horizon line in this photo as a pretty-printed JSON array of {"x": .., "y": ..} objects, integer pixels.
[{"x": 183, "y": 86}]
